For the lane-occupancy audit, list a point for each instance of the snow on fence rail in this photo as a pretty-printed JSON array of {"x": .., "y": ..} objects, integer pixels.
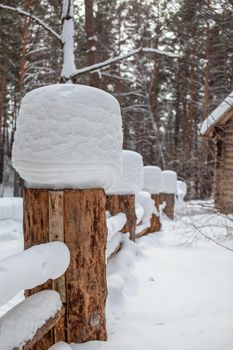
[
  {"x": 144, "y": 210},
  {"x": 32, "y": 267},
  {"x": 23, "y": 325},
  {"x": 144, "y": 200},
  {"x": 115, "y": 225}
]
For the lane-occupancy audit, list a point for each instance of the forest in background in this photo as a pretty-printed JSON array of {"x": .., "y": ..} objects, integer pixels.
[{"x": 164, "y": 98}]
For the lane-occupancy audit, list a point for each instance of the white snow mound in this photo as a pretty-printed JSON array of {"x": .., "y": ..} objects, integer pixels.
[
  {"x": 68, "y": 136},
  {"x": 181, "y": 189},
  {"x": 20, "y": 324},
  {"x": 131, "y": 180},
  {"x": 152, "y": 179},
  {"x": 169, "y": 180}
]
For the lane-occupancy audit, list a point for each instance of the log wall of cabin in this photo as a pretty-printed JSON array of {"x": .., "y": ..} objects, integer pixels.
[{"x": 223, "y": 177}]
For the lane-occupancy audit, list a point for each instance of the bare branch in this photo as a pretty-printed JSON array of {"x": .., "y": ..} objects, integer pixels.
[
  {"x": 113, "y": 60},
  {"x": 33, "y": 17}
]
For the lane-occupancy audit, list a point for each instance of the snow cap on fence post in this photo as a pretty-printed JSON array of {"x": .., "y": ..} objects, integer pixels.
[
  {"x": 181, "y": 189},
  {"x": 68, "y": 136},
  {"x": 169, "y": 180},
  {"x": 152, "y": 179},
  {"x": 131, "y": 180}
]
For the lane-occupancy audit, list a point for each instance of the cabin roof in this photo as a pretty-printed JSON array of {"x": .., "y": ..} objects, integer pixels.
[{"x": 219, "y": 116}]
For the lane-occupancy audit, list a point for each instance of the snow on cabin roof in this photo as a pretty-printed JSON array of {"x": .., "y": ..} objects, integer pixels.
[{"x": 217, "y": 115}]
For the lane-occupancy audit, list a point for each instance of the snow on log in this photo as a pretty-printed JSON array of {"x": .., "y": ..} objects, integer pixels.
[
  {"x": 27, "y": 322},
  {"x": 151, "y": 220},
  {"x": 152, "y": 179},
  {"x": 169, "y": 180},
  {"x": 114, "y": 245},
  {"x": 144, "y": 199},
  {"x": 31, "y": 268},
  {"x": 140, "y": 212},
  {"x": 131, "y": 180},
  {"x": 115, "y": 224},
  {"x": 70, "y": 130}
]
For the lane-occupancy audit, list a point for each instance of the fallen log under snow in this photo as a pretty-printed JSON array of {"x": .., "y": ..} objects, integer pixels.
[
  {"x": 115, "y": 224},
  {"x": 26, "y": 323},
  {"x": 31, "y": 268}
]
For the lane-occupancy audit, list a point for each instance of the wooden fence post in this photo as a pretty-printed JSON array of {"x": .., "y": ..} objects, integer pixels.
[
  {"x": 153, "y": 184},
  {"x": 80, "y": 157},
  {"x": 169, "y": 188},
  {"x": 121, "y": 197},
  {"x": 169, "y": 199},
  {"x": 81, "y": 225},
  {"x": 124, "y": 203},
  {"x": 155, "y": 224}
]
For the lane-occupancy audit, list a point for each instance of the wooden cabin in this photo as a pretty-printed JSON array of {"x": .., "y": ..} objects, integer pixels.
[{"x": 219, "y": 127}]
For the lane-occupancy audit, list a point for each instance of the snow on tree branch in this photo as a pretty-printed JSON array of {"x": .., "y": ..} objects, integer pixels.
[
  {"x": 68, "y": 67},
  {"x": 113, "y": 60},
  {"x": 33, "y": 17}
]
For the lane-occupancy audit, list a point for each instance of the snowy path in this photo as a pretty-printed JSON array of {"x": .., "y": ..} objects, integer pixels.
[
  {"x": 184, "y": 298},
  {"x": 178, "y": 290}
]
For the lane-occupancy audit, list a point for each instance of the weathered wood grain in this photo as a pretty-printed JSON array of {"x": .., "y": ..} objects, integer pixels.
[
  {"x": 76, "y": 217},
  {"x": 169, "y": 198},
  {"x": 124, "y": 204},
  {"x": 86, "y": 289}
]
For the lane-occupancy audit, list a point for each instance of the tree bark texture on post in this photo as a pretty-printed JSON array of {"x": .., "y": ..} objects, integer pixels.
[
  {"x": 169, "y": 198},
  {"x": 124, "y": 203},
  {"x": 77, "y": 218}
]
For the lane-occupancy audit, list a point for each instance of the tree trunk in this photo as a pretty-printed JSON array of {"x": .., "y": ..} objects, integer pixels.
[
  {"x": 77, "y": 218},
  {"x": 3, "y": 99},
  {"x": 124, "y": 203},
  {"x": 91, "y": 41}
]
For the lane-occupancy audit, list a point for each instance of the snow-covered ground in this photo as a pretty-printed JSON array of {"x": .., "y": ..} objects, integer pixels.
[{"x": 170, "y": 290}]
